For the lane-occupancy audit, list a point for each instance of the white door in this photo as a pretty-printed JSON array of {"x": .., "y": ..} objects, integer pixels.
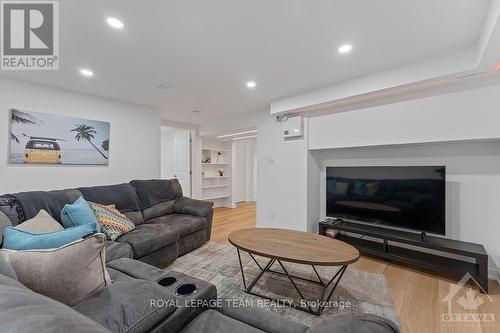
[{"x": 182, "y": 171}]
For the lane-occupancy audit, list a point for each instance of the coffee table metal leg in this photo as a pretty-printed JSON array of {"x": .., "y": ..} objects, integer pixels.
[
  {"x": 256, "y": 262},
  {"x": 242, "y": 272},
  {"x": 256, "y": 279},
  {"x": 269, "y": 264},
  {"x": 336, "y": 279},
  {"x": 319, "y": 277},
  {"x": 342, "y": 270},
  {"x": 294, "y": 285}
]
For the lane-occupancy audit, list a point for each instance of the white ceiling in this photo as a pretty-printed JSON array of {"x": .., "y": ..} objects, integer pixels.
[{"x": 209, "y": 49}]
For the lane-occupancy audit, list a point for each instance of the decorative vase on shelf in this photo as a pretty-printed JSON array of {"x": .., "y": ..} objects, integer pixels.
[
  {"x": 221, "y": 172},
  {"x": 219, "y": 156}
]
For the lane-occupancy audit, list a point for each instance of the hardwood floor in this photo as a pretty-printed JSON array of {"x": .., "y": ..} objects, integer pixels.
[
  {"x": 227, "y": 220},
  {"x": 418, "y": 295}
]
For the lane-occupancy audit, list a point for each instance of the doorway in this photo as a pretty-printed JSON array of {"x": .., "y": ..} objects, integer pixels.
[{"x": 176, "y": 156}]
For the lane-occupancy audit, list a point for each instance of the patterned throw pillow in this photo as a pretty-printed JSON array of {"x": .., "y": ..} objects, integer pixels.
[{"x": 113, "y": 223}]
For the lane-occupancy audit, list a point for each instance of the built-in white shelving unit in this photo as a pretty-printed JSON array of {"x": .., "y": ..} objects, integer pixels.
[
  {"x": 215, "y": 158},
  {"x": 215, "y": 186}
]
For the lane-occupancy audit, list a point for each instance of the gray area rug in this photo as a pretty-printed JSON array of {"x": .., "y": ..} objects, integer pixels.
[{"x": 358, "y": 291}]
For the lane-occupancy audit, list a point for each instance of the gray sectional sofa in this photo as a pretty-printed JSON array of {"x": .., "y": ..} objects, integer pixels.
[
  {"x": 168, "y": 224},
  {"x": 139, "y": 301},
  {"x": 142, "y": 297}
]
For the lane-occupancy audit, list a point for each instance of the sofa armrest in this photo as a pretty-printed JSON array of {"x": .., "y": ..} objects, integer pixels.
[
  {"x": 194, "y": 207},
  {"x": 199, "y": 208},
  {"x": 4, "y": 223},
  {"x": 127, "y": 306}
]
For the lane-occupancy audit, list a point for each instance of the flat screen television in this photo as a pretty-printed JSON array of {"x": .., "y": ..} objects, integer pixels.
[{"x": 411, "y": 197}]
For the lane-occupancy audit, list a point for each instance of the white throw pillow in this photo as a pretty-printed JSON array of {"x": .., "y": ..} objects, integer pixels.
[{"x": 42, "y": 223}]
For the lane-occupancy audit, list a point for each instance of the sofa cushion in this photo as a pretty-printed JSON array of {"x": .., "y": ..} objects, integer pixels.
[
  {"x": 163, "y": 257},
  {"x": 354, "y": 322},
  {"x": 157, "y": 197},
  {"x": 31, "y": 203},
  {"x": 213, "y": 321},
  {"x": 41, "y": 223},
  {"x": 22, "y": 310},
  {"x": 117, "y": 250},
  {"x": 154, "y": 191},
  {"x": 260, "y": 318},
  {"x": 113, "y": 223},
  {"x": 126, "y": 306},
  {"x": 47, "y": 271},
  {"x": 123, "y": 196},
  {"x": 147, "y": 238},
  {"x": 160, "y": 209},
  {"x": 135, "y": 217},
  {"x": 182, "y": 223}
]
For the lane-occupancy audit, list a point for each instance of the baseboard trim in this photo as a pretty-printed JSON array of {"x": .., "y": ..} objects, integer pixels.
[{"x": 494, "y": 274}]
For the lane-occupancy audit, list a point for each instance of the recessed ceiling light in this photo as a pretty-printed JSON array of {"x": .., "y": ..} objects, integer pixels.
[
  {"x": 346, "y": 48},
  {"x": 115, "y": 23},
  {"x": 197, "y": 112},
  {"x": 86, "y": 72},
  {"x": 251, "y": 84}
]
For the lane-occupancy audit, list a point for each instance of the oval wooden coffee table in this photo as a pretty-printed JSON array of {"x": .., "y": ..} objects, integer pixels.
[{"x": 280, "y": 245}]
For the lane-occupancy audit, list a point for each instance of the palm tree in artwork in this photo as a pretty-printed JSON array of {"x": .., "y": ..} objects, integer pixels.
[
  {"x": 20, "y": 117},
  {"x": 105, "y": 145},
  {"x": 85, "y": 132}
]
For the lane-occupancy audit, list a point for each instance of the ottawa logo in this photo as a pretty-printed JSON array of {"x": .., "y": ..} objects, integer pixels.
[{"x": 464, "y": 306}]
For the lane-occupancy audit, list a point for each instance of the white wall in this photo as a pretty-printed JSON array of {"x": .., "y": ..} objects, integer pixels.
[
  {"x": 167, "y": 153},
  {"x": 466, "y": 115},
  {"x": 134, "y": 142},
  {"x": 282, "y": 177}
]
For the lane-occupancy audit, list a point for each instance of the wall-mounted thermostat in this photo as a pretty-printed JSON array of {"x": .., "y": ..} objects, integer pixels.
[{"x": 293, "y": 127}]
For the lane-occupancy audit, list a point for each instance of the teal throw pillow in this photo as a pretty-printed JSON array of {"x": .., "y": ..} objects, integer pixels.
[
  {"x": 78, "y": 213},
  {"x": 17, "y": 239}
]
